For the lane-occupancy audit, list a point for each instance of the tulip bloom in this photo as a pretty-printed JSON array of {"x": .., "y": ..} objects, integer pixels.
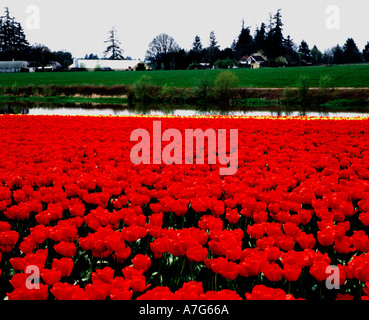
[
  {"x": 141, "y": 262},
  {"x": 67, "y": 249},
  {"x": 291, "y": 272},
  {"x": 197, "y": 253},
  {"x": 272, "y": 272},
  {"x": 50, "y": 277}
]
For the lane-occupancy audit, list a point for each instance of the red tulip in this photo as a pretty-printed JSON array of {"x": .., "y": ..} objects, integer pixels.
[
  {"x": 224, "y": 294},
  {"x": 306, "y": 241},
  {"x": 105, "y": 275},
  {"x": 8, "y": 240},
  {"x": 361, "y": 272},
  {"x": 121, "y": 294},
  {"x": 51, "y": 277},
  {"x": 251, "y": 267},
  {"x": 344, "y": 297},
  {"x": 291, "y": 272},
  {"x": 261, "y": 216},
  {"x": 197, "y": 253},
  {"x": 191, "y": 290},
  {"x": 67, "y": 249},
  {"x": 326, "y": 237},
  {"x": 286, "y": 243},
  {"x": 64, "y": 265},
  {"x": 318, "y": 270},
  {"x": 272, "y": 272},
  {"x": 364, "y": 218},
  {"x": 343, "y": 245},
  {"x": 138, "y": 283},
  {"x": 141, "y": 262},
  {"x": 255, "y": 231},
  {"x": 291, "y": 229},
  {"x": 232, "y": 216},
  {"x": 261, "y": 292},
  {"x": 273, "y": 253}
]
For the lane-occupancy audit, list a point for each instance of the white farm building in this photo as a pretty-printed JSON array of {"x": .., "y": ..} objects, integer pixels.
[
  {"x": 14, "y": 66},
  {"x": 116, "y": 65}
]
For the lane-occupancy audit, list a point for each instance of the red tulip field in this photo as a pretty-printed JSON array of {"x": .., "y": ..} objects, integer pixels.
[{"x": 80, "y": 221}]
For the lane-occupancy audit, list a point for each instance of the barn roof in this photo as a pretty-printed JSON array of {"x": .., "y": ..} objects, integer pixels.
[
  {"x": 13, "y": 64},
  {"x": 113, "y": 64},
  {"x": 258, "y": 58}
]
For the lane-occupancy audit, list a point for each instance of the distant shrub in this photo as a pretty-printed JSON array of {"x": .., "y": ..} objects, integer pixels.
[
  {"x": 303, "y": 88},
  {"x": 98, "y": 68},
  {"x": 48, "y": 91},
  {"x": 15, "y": 89},
  {"x": 288, "y": 95},
  {"x": 167, "y": 92},
  {"x": 223, "y": 85},
  {"x": 325, "y": 87},
  {"x": 143, "y": 89},
  {"x": 225, "y": 63},
  {"x": 203, "y": 87},
  {"x": 281, "y": 62}
]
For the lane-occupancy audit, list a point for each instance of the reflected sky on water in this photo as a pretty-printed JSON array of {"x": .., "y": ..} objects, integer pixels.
[
  {"x": 162, "y": 110},
  {"x": 185, "y": 112}
]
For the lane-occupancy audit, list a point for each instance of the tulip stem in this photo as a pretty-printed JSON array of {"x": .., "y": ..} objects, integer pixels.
[
  {"x": 160, "y": 277},
  {"x": 183, "y": 265}
]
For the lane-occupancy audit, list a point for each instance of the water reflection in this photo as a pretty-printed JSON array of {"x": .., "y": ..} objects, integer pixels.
[
  {"x": 13, "y": 108},
  {"x": 38, "y": 108}
]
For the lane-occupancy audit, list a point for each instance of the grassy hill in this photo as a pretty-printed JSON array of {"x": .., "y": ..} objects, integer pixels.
[{"x": 343, "y": 76}]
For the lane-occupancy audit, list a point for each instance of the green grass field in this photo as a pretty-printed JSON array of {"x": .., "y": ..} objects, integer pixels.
[{"x": 343, "y": 76}]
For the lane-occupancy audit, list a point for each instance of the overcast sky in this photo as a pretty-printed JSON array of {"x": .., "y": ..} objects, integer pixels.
[{"x": 81, "y": 26}]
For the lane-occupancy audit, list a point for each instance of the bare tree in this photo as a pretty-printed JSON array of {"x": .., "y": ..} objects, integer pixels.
[{"x": 161, "y": 51}]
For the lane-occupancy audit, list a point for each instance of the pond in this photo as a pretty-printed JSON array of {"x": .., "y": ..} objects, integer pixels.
[{"x": 32, "y": 108}]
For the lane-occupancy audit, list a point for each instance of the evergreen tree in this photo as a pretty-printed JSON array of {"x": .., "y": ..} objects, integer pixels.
[
  {"x": 305, "y": 53},
  {"x": 366, "y": 53},
  {"x": 245, "y": 43},
  {"x": 116, "y": 53},
  {"x": 91, "y": 56},
  {"x": 274, "y": 39},
  {"x": 212, "y": 52},
  {"x": 316, "y": 55},
  {"x": 351, "y": 52},
  {"x": 20, "y": 41},
  {"x": 328, "y": 57},
  {"x": 338, "y": 55},
  {"x": 194, "y": 55},
  {"x": 291, "y": 54},
  {"x": 197, "y": 46},
  {"x": 259, "y": 38},
  {"x": 13, "y": 43},
  {"x": 213, "y": 41}
]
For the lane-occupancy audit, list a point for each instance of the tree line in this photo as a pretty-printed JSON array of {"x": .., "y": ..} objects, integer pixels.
[
  {"x": 14, "y": 46},
  {"x": 164, "y": 52},
  {"x": 268, "y": 40}
]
